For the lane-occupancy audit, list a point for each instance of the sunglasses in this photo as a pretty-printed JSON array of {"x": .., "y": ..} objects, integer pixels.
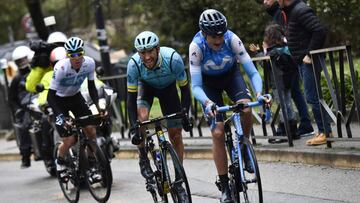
[{"x": 76, "y": 54}]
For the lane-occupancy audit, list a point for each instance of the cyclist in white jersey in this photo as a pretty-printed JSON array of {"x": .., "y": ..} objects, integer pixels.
[{"x": 64, "y": 94}]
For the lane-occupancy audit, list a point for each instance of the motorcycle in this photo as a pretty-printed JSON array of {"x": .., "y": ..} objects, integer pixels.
[
  {"x": 107, "y": 143},
  {"x": 42, "y": 142}
]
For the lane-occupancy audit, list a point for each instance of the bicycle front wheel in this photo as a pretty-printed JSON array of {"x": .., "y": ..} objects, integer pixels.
[
  {"x": 98, "y": 174},
  {"x": 175, "y": 176},
  {"x": 252, "y": 188},
  {"x": 70, "y": 185}
]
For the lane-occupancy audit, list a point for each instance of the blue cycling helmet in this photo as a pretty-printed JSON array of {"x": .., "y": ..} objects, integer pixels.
[
  {"x": 74, "y": 44},
  {"x": 146, "y": 40},
  {"x": 212, "y": 22}
]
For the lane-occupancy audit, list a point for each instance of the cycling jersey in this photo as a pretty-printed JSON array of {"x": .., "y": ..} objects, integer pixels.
[
  {"x": 159, "y": 82},
  {"x": 161, "y": 76},
  {"x": 67, "y": 81},
  {"x": 206, "y": 61}
]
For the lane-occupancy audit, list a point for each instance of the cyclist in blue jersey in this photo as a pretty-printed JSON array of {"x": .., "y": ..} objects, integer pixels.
[
  {"x": 213, "y": 54},
  {"x": 153, "y": 72}
]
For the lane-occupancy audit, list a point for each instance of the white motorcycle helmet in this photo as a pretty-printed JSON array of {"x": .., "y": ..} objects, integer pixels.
[
  {"x": 57, "y": 37},
  {"x": 21, "y": 56}
]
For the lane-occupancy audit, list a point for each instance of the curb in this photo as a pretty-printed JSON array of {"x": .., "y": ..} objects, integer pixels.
[{"x": 339, "y": 159}]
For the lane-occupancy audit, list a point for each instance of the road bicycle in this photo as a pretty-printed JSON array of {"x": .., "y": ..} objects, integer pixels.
[
  {"x": 169, "y": 174},
  {"x": 95, "y": 172},
  {"x": 243, "y": 178}
]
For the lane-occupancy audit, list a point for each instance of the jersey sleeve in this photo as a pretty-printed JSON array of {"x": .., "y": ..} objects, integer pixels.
[
  {"x": 179, "y": 69},
  {"x": 132, "y": 76},
  {"x": 195, "y": 57},
  {"x": 92, "y": 69},
  {"x": 243, "y": 57}
]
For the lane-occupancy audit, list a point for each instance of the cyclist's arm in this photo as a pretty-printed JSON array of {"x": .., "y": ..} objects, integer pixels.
[
  {"x": 195, "y": 57},
  {"x": 92, "y": 88},
  {"x": 182, "y": 81},
  {"x": 93, "y": 93},
  {"x": 243, "y": 57},
  {"x": 132, "y": 88},
  {"x": 53, "y": 103}
]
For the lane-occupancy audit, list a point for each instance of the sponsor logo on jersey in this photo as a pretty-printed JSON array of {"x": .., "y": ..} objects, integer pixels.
[{"x": 210, "y": 64}]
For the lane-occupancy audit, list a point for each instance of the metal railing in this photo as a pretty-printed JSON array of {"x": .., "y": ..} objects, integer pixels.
[{"x": 339, "y": 113}]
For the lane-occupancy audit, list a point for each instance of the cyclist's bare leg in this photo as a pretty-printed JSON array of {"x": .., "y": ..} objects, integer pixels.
[
  {"x": 246, "y": 118},
  {"x": 67, "y": 142},
  {"x": 175, "y": 137},
  {"x": 144, "y": 163},
  {"x": 219, "y": 152},
  {"x": 90, "y": 132}
]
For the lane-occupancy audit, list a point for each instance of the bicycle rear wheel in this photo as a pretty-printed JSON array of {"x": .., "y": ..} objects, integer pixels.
[
  {"x": 175, "y": 176},
  {"x": 252, "y": 188},
  {"x": 71, "y": 185},
  {"x": 98, "y": 174}
]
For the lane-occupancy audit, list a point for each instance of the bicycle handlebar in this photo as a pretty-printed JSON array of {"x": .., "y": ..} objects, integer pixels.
[
  {"x": 240, "y": 106},
  {"x": 158, "y": 119},
  {"x": 87, "y": 120}
]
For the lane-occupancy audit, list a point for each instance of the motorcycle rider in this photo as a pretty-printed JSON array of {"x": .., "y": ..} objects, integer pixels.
[{"x": 16, "y": 93}]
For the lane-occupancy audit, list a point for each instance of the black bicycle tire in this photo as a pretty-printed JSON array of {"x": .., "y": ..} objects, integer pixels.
[
  {"x": 77, "y": 195},
  {"x": 247, "y": 143},
  {"x": 177, "y": 164},
  {"x": 107, "y": 169}
]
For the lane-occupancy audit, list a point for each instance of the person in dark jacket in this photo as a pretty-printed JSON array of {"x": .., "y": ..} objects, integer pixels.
[
  {"x": 284, "y": 69},
  {"x": 304, "y": 33},
  {"x": 16, "y": 93}
]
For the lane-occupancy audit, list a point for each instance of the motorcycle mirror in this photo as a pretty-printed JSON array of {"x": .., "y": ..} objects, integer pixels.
[
  {"x": 99, "y": 70},
  {"x": 39, "y": 88}
]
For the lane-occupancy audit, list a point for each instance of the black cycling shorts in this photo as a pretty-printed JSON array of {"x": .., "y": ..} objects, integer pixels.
[
  {"x": 76, "y": 104},
  {"x": 168, "y": 98}
]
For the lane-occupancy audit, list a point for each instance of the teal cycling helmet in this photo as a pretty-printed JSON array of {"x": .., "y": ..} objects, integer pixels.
[
  {"x": 146, "y": 40},
  {"x": 74, "y": 44}
]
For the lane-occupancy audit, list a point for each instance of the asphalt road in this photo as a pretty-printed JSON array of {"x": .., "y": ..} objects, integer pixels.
[{"x": 282, "y": 182}]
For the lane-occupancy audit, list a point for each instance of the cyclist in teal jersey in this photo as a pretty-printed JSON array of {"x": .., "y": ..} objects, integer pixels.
[
  {"x": 214, "y": 53},
  {"x": 153, "y": 72}
]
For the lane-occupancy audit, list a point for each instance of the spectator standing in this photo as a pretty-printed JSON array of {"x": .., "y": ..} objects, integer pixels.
[{"x": 304, "y": 33}]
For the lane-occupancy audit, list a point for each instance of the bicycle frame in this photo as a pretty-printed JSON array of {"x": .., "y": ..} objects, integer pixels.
[
  {"x": 235, "y": 150},
  {"x": 165, "y": 181}
]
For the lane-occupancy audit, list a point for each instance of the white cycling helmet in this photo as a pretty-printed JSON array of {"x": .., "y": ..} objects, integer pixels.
[
  {"x": 57, "y": 54},
  {"x": 146, "y": 40},
  {"x": 74, "y": 44},
  {"x": 57, "y": 37},
  {"x": 21, "y": 52}
]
